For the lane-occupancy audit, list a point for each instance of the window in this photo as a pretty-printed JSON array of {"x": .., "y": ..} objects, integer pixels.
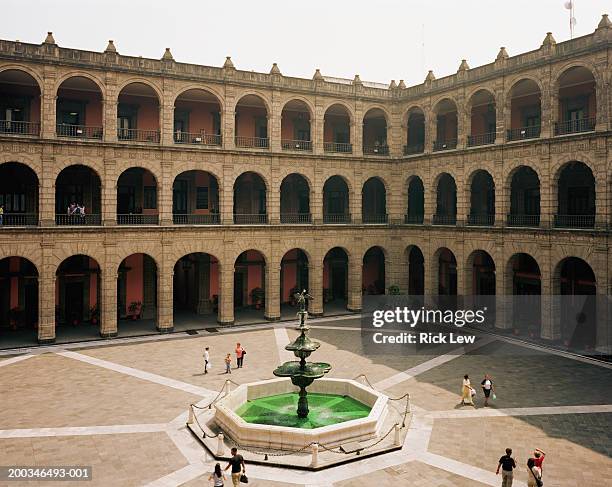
[
  {"x": 202, "y": 198},
  {"x": 150, "y": 197}
]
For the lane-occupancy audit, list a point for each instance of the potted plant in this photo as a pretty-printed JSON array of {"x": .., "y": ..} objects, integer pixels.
[
  {"x": 134, "y": 310},
  {"x": 257, "y": 297},
  {"x": 394, "y": 290},
  {"x": 94, "y": 314}
]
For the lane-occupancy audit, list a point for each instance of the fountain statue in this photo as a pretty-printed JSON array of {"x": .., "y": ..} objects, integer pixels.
[{"x": 302, "y": 373}]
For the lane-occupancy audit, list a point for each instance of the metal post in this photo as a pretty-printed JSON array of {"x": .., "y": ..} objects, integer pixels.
[
  {"x": 315, "y": 455},
  {"x": 228, "y": 386},
  {"x": 397, "y": 441},
  {"x": 190, "y": 418},
  {"x": 220, "y": 444}
]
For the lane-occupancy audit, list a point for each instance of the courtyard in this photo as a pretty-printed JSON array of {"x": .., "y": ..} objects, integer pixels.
[{"x": 120, "y": 406}]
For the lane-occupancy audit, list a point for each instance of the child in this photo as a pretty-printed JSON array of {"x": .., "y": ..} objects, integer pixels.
[{"x": 228, "y": 363}]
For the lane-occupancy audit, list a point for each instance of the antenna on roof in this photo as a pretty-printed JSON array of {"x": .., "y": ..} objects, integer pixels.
[
  {"x": 569, "y": 5},
  {"x": 422, "y": 48}
]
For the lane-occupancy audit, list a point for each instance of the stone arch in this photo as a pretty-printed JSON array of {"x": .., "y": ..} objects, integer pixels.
[
  {"x": 81, "y": 74},
  {"x": 302, "y": 99},
  {"x": 26, "y": 69},
  {"x": 263, "y": 97},
  {"x": 349, "y": 110},
  {"x": 377, "y": 106},
  {"x": 145, "y": 81},
  {"x": 197, "y": 86}
]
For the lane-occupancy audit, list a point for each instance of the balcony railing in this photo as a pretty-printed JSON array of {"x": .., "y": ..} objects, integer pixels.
[
  {"x": 19, "y": 220},
  {"x": 481, "y": 139},
  {"x": 376, "y": 150},
  {"x": 574, "y": 221},
  {"x": 296, "y": 218},
  {"x": 192, "y": 219},
  {"x": 137, "y": 219},
  {"x": 11, "y": 127},
  {"x": 523, "y": 220},
  {"x": 337, "y": 218},
  {"x": 575, "y": 126},
  {"x": 413, "y": 219},
  {"x": 252, "y": 142},
  {"x": 376, "y": 218},
  {"x": 250, "y": 219},
  {"x": 138, "y": 135},
  {"x": 198, "y": 139},
  {"x": 414, "y": 149},
  {"x": 439, "y": 145},
  {"x": 88, "y": 219},
  {"x": 78, "y": 131},
  {"x": 444, "y": 219},
  {"x": 481, "y": 220},
  {"x": 297, "y": 145},
  {"x": 341, "y": 147},
  {"x": 523, "y": 133}
]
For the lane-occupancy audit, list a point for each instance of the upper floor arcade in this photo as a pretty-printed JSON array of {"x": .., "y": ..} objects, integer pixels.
[{"x": 555, "y": 91}]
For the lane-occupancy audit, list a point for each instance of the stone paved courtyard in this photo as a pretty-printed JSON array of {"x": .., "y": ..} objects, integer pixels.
[{"x": 120, "y": 406}]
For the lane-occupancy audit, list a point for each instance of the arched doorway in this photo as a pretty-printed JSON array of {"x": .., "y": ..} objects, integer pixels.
[
  {"x": 575, "y": 197},
  {"x": 482, "y": 286},
  {"x": 335, "y": 281},
  {"x": 137, "y": 197},
  {"x": 79, "y": 109},
  {"x": 195, "y": 199},
  {"x": 375, "y": 133},
  {"x": 250, "y": 199},
  {"x": 196, "y": 291},
  {"x": 373, "y": 272},
  {"x": 445, "y": 113},
  {"x": 524, "y": 198},
  {"x": 525, "y": 110},
  {"x": 446, "y": 201},
  {"x": 197, "y": 118},
  {"x": 577, "y": 101},
  {"x": 336, "y": 201},
  {"x": 482, "y": 199},
  {"x": 77, "y": 196},
  {"x": 18, "y": 302},
  {"x": 137, "y": 295},
  {"x": 77, "y": 299},
  {"x": 250, "y": 286},
  {"x": 447, "y": 272},
  {"x": 251, "y": 123},
  {"x": 19, "y": 103},
  {"x": 337, "y": 130},
  {"x": 482, "y": 119},
  {"x": 18, "y": 195},
  {"x": 374, "y": 201},
  {"x": 525, "y": 287},
  {"x": 416, "y": 271},
  {"x": 138, "y": 114},
  {"x": 415, "y": 134},
  {"x": 295, "y": 200},
  {"x": 416, "y": 202},
  {"x": 293, "y": 279},
  {"x": 295, "y": 127}
]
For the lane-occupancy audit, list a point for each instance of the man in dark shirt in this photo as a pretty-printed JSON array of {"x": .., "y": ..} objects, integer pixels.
[
  {"x": 507, "y": 465},
  {"x": 238, "y": 467}
]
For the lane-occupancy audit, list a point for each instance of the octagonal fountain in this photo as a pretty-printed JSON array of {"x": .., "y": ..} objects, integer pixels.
[{"x": 299, "y": 409}]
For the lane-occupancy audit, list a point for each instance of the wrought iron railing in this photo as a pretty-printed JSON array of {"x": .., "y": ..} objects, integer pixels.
[
  {"x": 138, "y": 135},
  {"x": 414, "y": 149},
  {"x": 11, "y": 127},
  {"x": 250, "y": 219},
  {"x": 137, "y": 219},
  {"x": 341, "y": 147},
  {"x": 78, "y": 131},
  {"x": 481, "y": 139},
  {"x": 198, "y": 139},
  {"x": 523, "y": 220},
  {"x": 19, "y": 220},
  {"x": 192, "y": 219},
  {"x": 574, "y": 221},
  {"x": 444, "y": 219},
  {"x": 481, "y": 220},
  {"x": 87, "y": 219},
  {"x": 337, "y": 218},
  {"x": 252, "y": 142},
  {"x": 376, "y": 150},
  {"x": 575, "y": 126},
  {"x": 297, "y": 145},
  {"x": 295, "y": 218},
  {"x": 520, "y": 133},
  {"x": 379, "y": 218},
  {"x": 416, "y": 219},
  {"x": 449, "y": 144}
]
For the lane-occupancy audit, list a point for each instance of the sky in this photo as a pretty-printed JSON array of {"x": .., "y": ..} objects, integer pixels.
[{"x": 380, "y": 40}]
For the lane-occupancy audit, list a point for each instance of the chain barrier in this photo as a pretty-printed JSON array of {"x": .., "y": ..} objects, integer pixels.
[{"x": 405, "y": 396}]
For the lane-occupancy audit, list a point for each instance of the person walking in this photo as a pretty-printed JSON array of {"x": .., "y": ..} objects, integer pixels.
[
  {"x": 206, "y": 360},
  {"x": 1, "y": 215},
  {"x": 239, "y": 355},
  {"x": 228, "y": 363},
  {"x": 507, "y": 465},
  {"x": 218, "y": 477},
  {"x": 487, "y": 388},
  {"x": 466, "y": 392},
  {"x": 238, "y": 467},
  {"x": 534, "y": 474},
  {"x": 539, "y": 458}
]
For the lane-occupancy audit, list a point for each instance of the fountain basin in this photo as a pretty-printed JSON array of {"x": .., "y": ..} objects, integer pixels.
[{"x": 278, "y": 436}]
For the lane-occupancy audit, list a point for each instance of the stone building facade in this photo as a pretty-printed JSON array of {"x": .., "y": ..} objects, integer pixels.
[{"x": 497, "y": 179}]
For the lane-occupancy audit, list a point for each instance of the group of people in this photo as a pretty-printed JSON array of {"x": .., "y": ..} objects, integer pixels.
[
  {"x": 240, "y": 353},
  {"x": 507, "y": 464},
  {"x": 468, "y": 392},
  {"x": 76, "y": 209},
  {"x": 238, "y": 471}
]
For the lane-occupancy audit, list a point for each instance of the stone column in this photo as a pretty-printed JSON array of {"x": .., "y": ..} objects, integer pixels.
[
  {"x": 430, "y": 129},
  {"x": 165, "y": 291},
  {"x": 431, "y": 265},
  {"x": 274, "y": 124},
  {"x": 46, "y": 193},
  {"x": 550, "y": 309},
  {"x": 272, "y": 290},
  {"x": 149, "y": 306},
  {"x": 464, "y": 123},
  {"x": 503, "y": 296},
  {"x": 108, "y": 303},
  {"x": 110, "y": 108},
  {"x": 502, "y": 197},
  {"x": 355, "y": 279},
  {"x": 164, "y": 193},
  {"x": 226, "y": 196},
  {"x": 317, "y": 125},
  {"x": 548, "y": 198},
  {"x": 603, "y": 337},
  {"x": 109, "y": 193},
  {"x": 166, "y": 115},
  {"x": 316, "y": 200},
  {"x": 273, "y": 193},
  {"x": 549, "y": 107},
  {"x": 46, "y": 303},
  {"x": 226, "y": 291},
  {"x": 395, "y": 200},
  {"x": 48, "y": 103},
  {"x": 315, "y": 286},
  {"x": 355, "y": 202},
  {"x": 500, "y": 116},
  {"x": 357, "y": 137}
]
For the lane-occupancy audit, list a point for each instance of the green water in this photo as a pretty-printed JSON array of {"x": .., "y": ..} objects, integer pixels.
[{"x": 280, "y": 410}]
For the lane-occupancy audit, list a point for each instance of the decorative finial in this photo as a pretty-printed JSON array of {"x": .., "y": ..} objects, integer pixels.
[
  {"x": 549, "y": 40},
  {"x": 463, "y": 66},
  {"x": 357, "y": 80},
  {"x": 228, "y": 64},
  {"x": 392, "y": 85},
  {"x": 430, "y": 77},
  {"x": 167, "y": 55},
  {"x": 402, "y": 85},
  {"x": 502, "y": 54},
  {"x": 49, "y": 39},
  {"x": 605, "y": 22},
  {"x": 111, "y": 47},
  {"x": 275, "y": 69},
  {"x": 318, "y": 76}
]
